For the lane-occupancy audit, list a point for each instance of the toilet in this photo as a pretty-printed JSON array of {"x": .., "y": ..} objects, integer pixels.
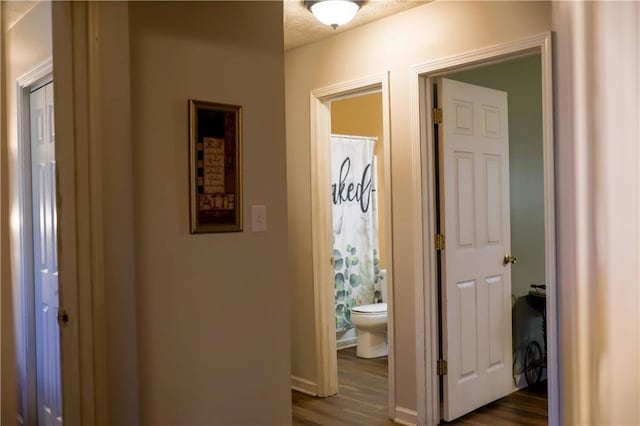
[{"x": 370, "y": 322}]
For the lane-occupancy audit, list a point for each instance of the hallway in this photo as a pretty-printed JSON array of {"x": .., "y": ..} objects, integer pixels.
[{"x": 361, "y": 399}]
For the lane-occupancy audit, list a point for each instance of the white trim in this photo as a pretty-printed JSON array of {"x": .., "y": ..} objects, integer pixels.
[
  {"x": 320, "y": 116},
  {"x": 520, "y": 380},
  {"x": 422, "y": 147},
  {"x": 425, "y": 271},
  {"x": 405, "y": 416},
  {"x": 95, "y": 210},
  {"x": 36, "y": 73},
  {"x": 357, "y": 87},
  {"x": 77, "y": 362},
  {"x": 349, "y": 342},
  {"x": 83, "y": 340},
  {"x": 303, "y": 385},
  {"x": 326, "y": 359},
  {"x": 478, "y": 57},
  {"x": 388, "y": 227},
  {"x": 548, "y": 152}
]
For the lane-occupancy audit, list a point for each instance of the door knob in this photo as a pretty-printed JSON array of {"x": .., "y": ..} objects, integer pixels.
[{"x": 509, "y": 259}]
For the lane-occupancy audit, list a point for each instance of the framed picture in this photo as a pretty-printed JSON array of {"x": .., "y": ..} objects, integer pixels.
[{"x": 215, "y": 167}]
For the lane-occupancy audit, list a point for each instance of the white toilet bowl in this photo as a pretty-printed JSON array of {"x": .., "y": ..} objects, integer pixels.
[{"x": 371, "y": 323}]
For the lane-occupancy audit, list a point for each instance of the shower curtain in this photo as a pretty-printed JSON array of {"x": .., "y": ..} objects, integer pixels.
[{"x": 355, "y": 224}]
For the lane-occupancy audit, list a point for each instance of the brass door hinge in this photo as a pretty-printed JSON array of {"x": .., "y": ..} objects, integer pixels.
[
  {"x": 436, "y": 115},
  {"x": 441, "y": 367},
  {"x": 63, "y": 318},
  {"x": 439, "y": 242}
]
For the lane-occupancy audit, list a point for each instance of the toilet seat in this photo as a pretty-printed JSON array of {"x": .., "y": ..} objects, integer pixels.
[{"x": 372, "y": 309}]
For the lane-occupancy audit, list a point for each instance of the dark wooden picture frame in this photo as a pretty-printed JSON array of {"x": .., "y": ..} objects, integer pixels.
[{"x": 215, "y": 167}]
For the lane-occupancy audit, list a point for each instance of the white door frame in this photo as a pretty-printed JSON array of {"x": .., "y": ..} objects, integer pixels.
[
  {"x": 424, "y": 214},
  {"x": 27, "y": 400},
  {"x": 81, "y": 284},
  {"x": 321, "y": 226}
]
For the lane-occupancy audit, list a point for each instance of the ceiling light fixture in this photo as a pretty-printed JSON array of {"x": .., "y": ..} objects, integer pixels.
[{"x": 333, "y": 12}]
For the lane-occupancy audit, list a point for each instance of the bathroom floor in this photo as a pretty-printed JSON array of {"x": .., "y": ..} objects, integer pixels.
[{"x": 361, "y": 400}]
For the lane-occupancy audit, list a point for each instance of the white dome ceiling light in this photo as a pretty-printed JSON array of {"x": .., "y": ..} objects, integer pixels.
[{"x": 333, "y": 12}]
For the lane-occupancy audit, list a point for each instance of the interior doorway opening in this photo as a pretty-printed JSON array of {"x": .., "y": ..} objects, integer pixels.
[
  {"x": 428, "y": 343},
  {"x": 324, "y": 261},
  {"x": 359, "y": 249},
  {"x": 518, "y": 80},
  {"x": 39, "y": 352},
  {"x": 358, "y": 217}
]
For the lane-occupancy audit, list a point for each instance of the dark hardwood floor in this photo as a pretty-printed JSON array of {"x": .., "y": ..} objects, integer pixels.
[
  {"x": 362, "y": 400},
  {"x": 527, "y": 407}
]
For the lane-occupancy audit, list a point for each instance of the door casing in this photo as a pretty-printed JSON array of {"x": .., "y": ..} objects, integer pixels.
[
  {"x": 321, "y": 219},
  {"x": 424, "y": 212}
]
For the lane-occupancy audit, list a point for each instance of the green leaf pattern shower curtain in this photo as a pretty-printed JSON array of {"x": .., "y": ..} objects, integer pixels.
[{"x": 355, "y": 224}]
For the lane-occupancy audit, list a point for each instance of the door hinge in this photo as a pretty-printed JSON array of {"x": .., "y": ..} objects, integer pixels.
[
  {"x": 442, "y": 367},
  {"x": 63, "y": 318},
  {"x": 436, "y": 115},
  {"x": 439, "y": 242},
  {"x": 332, "y": 261}
]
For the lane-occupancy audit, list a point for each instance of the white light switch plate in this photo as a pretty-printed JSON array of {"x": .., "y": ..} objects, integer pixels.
[{"x": 258, "y": 218}]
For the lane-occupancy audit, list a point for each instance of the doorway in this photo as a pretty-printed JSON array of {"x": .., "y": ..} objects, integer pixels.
[
  {"x": 359, "y": 196},
  {"x": 358, "y": 161},
  {"x": 39, "y": 345},
  {"x": 322, "y": 241},
  {"x": 430, "y": 389},
  {"x": 520, "y": 79},
  {"x": 516, "y": 229}
]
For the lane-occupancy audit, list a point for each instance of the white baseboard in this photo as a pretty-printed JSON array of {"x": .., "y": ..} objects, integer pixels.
[
  {"x": 521, "y": 381},
  {"x": 346, "y": 339},
  {"x": 347, "y": 343},
  {"x": 303, "y": 385},
  {"x": 405, "y": 416}
]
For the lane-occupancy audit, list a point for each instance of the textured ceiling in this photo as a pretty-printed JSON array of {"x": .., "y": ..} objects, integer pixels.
[{"x": 300, "y": 27}]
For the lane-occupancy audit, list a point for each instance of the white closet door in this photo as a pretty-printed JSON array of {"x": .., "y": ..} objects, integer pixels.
[{"x": 43, "y": 178}]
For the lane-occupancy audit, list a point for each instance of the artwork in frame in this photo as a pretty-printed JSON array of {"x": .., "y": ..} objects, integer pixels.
[{"x": 215, "y": 167}]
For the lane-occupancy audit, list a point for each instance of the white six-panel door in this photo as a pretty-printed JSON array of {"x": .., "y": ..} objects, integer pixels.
[
  {"x": 43, "y": 185},
  {"x": 476, "y": 290}
]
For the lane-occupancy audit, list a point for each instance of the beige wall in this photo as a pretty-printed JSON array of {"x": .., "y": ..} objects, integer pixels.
[
  {"x": 27, "y": 44},
  {"x": 598, "y": 187},
  {"x": 118, "y": 206},
  {"x": 394, "y": 44},
  {"x": 213, "y": 309},
  {"x": 181, "y": 307},
  {"x": 362, "y": 116}
]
